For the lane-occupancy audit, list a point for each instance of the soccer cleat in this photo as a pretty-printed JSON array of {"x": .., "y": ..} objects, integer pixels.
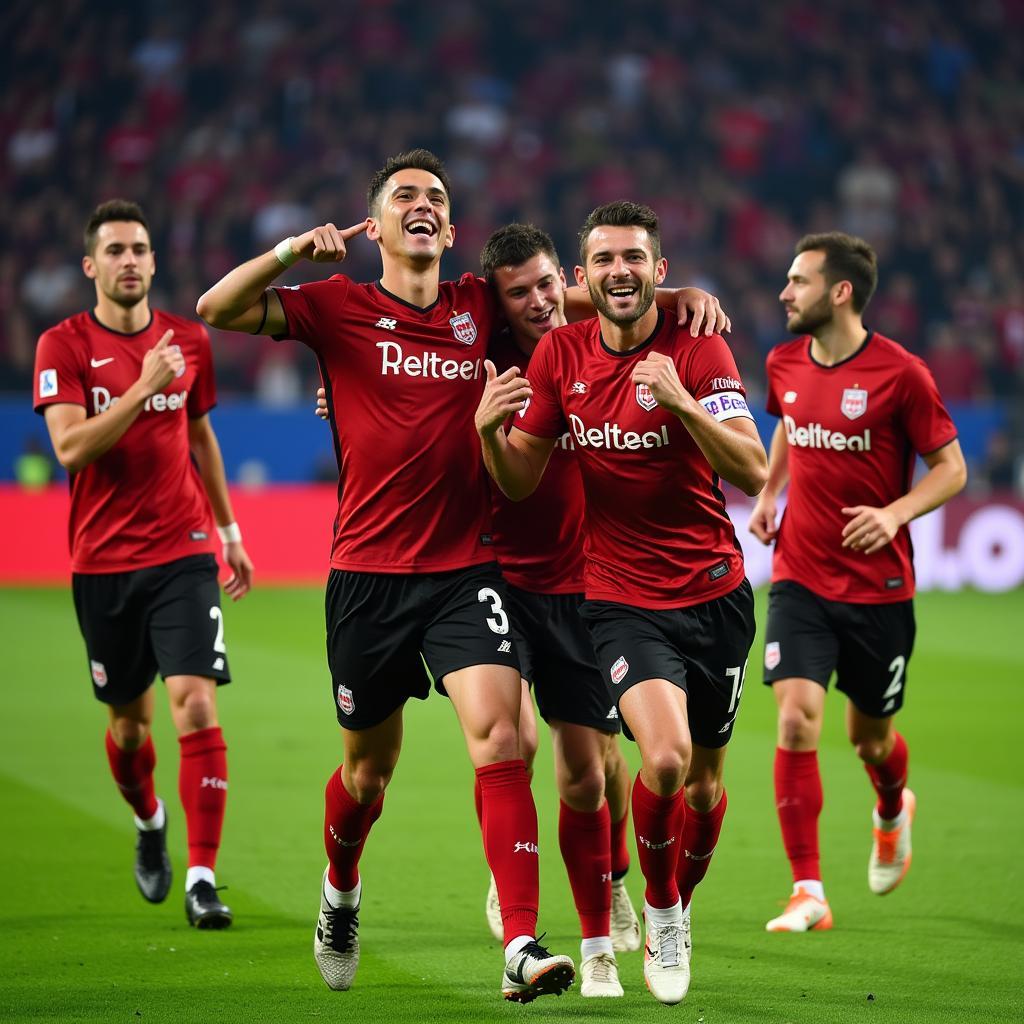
[
  {"x": 336, "y": 943},
  {"x": 492, "y": 909},
  {"x": 152, "y": 865},
  {"x": 687, "y": 938},
  {"x": 204, "y": 910},
  {"x": 890, "y": 850},
  {"x": 533, "y": 971},
  {"x": 599, "y": 976},
  {"x": 625, "y": 925},
  {"x": 666, "y": 968},
  {"x": 803, "y": 913}
]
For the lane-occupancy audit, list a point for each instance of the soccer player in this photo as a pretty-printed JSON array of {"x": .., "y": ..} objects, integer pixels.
[
  {"x": 126, "y": 391},
  {"x": 855, "y": 407},
  {"x": 412, "y": 565},
  {"x": 539, "y": 544},
  {"x": 657, "y": 416}
]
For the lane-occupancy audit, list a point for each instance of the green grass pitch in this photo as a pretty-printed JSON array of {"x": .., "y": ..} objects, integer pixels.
[{"x": 79, "y": 944}]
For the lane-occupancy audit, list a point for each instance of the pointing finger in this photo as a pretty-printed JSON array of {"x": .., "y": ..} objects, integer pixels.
[{"x": 356, "y": 229}]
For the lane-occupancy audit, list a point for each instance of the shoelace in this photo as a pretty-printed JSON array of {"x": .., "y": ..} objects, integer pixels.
[
  {"x": 668, "y": 946},
  {"x": 341, "y": 926},
  {"x": 604, "y": 968}
]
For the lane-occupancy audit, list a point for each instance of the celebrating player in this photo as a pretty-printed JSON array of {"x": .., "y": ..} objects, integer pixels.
[
  {"x": 855, "y": 407},
  {"x": 126, "y": 391},
  {"x": 656, "y": 417}
]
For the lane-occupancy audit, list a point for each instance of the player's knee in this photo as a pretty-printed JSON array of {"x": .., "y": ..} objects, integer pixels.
[
  {"x": 582, "y": 786},
  {"x": 667, "y": 766},
  {"x": 528, "y": 743},
  {"x": 198, "y": 710},
  {"x": 797, "y": 727},
  {"x": 368, "y": 779},
  {"x": 872, "y": 751},
  {"x": 501, "y": 743},
  {"x": 129, "y": 733},
  {"x": 703, "y": 794}
]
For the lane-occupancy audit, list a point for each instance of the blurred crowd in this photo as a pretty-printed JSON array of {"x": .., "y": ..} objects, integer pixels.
[{"x": 743, "y": 124}]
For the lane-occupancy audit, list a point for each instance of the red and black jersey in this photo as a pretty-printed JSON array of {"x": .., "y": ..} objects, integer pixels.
[
  {"x": 403, "y": 384},
  {"x": 539, "y": 541},
  {"x": 854, "y": 430},
  {"x": 657, "y": 533},
  {"x": 142, "y": 503}
]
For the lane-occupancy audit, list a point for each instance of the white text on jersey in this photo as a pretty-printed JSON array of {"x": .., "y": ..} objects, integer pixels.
[
  {"x": 430, "y": 364},
  {"x": 102, "y": 400},
  {"x": 611, "y": 435},
  {"x": 814, "y": 435}
]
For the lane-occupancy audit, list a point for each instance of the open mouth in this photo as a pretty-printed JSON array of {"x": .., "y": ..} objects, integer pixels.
[
  {"x": 421, "y": 226},
  {"x": 622, "y": 291},
  {"x": 544, "y": 320}
]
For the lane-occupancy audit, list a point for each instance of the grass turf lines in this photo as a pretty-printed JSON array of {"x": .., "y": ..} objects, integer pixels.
[{"x": 79, "y": 944}]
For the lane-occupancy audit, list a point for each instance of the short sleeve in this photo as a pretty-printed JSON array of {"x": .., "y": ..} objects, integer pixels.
[
  {"x": 203, "y": 396},
  {"x": 927, "y": 423},
  {"x": 307, "y": 306},
  {"x": 543, "y": 415},
  {"x": 713, "y": 379},
  {"x": 58, "y": 373}
]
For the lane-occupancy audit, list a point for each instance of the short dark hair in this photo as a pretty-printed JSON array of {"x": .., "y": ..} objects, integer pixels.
[
  {"x": 847, "y": 258},
  {"x": 420, "y": 159},
  {"x": 622, "y": 214},
  {"x": 112, "y": 209},
  {"x": 513, "y": 245}
]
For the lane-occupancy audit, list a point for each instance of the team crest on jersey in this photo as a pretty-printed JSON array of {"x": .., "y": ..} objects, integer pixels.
[
  {"x": 463, "y": 328},
  {"x": 99, "y": 672},
  {"x": 177, "y": 348},
  {"x": 854, "y": 403},
  {"x": 772, "y": 654},
  {"x": 645, "y": 397},
  {"x": 345, "y": 699}
]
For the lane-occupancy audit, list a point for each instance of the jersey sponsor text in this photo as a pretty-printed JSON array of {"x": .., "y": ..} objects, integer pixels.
[
  {"x": 430, "y": 364},
  {"x": 103, "y": 400},
  {"x": 814, "y": 435},
  {"x": 611, "y": 435}
]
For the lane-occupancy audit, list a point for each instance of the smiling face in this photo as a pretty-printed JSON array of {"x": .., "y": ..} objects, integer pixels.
[
  {"x": 532, "y": 296},
  {"x": 807, "y": 297},
  {"x": 412, "y": 219},
  {"x": 621, "y": 272},
  {"x": 122, "y": 262}
]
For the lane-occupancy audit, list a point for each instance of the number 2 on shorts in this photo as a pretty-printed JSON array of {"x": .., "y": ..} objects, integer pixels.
[{"x": 499, "y": 624}]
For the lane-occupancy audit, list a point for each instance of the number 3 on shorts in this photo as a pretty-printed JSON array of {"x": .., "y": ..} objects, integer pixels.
[{"x": 499, "y": 624}]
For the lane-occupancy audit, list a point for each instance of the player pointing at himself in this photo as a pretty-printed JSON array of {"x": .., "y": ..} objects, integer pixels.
[
  {"x": 856, "y": 409},
  {"x": 126, "y": 390}
]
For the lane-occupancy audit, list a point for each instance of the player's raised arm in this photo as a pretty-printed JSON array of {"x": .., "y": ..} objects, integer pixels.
[
  {"x": 763, "y": 524},
  {"x": 702, "y": 309},
  {"x": 243, "y": 301},
  {"x": 515, "y": 461},
  {"x": 732, "y": 447},
  {"x": 78, "y": 441}
]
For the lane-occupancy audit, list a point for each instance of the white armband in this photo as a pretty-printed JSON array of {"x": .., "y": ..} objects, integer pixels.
[
  {"x": 229, "y": 534},
  {"x": 726, "y": 405}
]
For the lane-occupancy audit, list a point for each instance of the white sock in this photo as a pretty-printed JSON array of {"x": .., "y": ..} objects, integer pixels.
[
  {"x": 198, "y": 874},
  {"x": 811, "y": 885},
  {"x": 156, "y": 822},
  {"x": 339, "y": 897},
  {"x": 516, "y": 945},
  {"x": 891, "y": 824},
  {"x": 662, "y": 917},
  {"x": 591, "y": 947}
]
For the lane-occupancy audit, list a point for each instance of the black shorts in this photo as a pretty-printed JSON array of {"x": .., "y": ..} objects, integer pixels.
[
  {"x": 702, "y": 649},
  {"x": 166, "y": 617},
  {"x": 866, "y": 645},
  {"x": 557, "y": 657},
  {"x": 381, "y": 627}
]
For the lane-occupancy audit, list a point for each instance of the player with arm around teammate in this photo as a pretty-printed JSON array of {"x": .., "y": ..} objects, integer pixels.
[
  {"x": 855, "y": 410},
  {"x": 126, "y": 391},
  {"x": 657, "y": 417}
]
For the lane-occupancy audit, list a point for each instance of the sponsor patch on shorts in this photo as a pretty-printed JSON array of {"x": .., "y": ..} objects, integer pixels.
[
  {"x": 619, "y": 670},
  {"x": 345, "y": 699},
  {"x": 772, "y": 654},
  {"x": 99, "y": 672}
]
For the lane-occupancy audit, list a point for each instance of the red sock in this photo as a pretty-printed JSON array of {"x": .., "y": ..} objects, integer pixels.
[
  {"x": 584, "y": 838},
  {"x": 347, "y": 823},
  {"x": 203, "y": 788},
  {"x": 509, "y": 823},
  {"x": 889, "y": 778},
  {"x": 658, "y": 822},
  {"x": 798, "y": 800},
  {"x": 700, "y": 836},
  {"x": 620, "y": 848},
  {"x": 133, "y": 773}
]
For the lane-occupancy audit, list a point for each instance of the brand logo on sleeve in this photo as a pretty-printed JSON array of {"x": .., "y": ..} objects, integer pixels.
[
  {"x": 463, "y": 328},
  {"x": 854, "y": 403},
  {"x": 47, "y": 383},
  {"x": 645, "y": 398}
]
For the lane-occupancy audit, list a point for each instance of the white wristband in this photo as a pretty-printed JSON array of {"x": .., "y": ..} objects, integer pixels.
[
  {"x": 229, "y": 534},
  {"x": 286, "y": 256}
]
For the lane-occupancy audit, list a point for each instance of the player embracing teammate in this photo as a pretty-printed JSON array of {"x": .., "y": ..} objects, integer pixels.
[
  {"x": 656, "y": 417},
  {"x": 855, "y": 409}
]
